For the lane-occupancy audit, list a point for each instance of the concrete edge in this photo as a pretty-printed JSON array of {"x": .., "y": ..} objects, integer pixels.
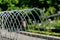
[{"x": 39, "y": 35}]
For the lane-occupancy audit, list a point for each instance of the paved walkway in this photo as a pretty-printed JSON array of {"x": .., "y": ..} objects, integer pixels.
[
  {"x": 2, "y": 38},
  {"x": 21, "y": 37},
  {"x": 16, "y": 36}
]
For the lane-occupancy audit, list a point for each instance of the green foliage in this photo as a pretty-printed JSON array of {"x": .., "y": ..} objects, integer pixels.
[
  {"x": 58, "y": 6},
  {"x": 0, "y": 9},
  {"x": 41, "y": 1},
  {"x": 50, "y": 11},
  {"x": 13, "y": 8},
  {"x": 48, "y": 4},
  {"x": 44, "y": 32},
  {"x": 58, "y": 23}
]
